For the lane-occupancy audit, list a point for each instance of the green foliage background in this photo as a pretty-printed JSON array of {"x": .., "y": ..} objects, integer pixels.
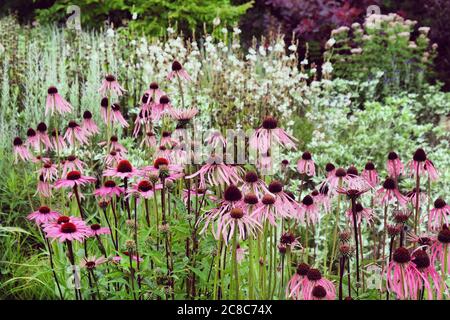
[{"x": 153, "y": 16}]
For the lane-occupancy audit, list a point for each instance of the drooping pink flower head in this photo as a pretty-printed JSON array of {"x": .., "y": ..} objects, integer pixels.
[
  {"x": 161, "y": 108},
  {"x": 67, "y": 229},
  {"x": 236, "y": 220},
  {"x": 370, "y": 174},
  {"x": 216, "y": 140},
  {"x": 394, "y": 165},
  {"x": 413, "y": 194},
  {"x": 183, "y": 116},
  {"x": 44, "y": 188},
  {"x": 269, "y": 133},
  {"x": 178, "y": 71},
  {"x": 109, "y": 190},
  {"x": 309, "y": 212},
  {"x": 389, "y": 192},
  {"x": 438, "y": 215},
  {"x": 270, "y": 210},
  {"x": 253, "y": 184},
  {"x": 32, "y": 139},
  {"x": 305, "y": 164},
  {"x": 41, "y": 133},
  {"x": 330, "y": 170},
  {"x": 20, "y": 150},
  {"x": 232, "y": 198},
  {"x": 421, "y": 165},
  {"x": 289, "y": 205},
  {"x": 48, "y": 171},
  {"x": 362, "y": 213},
  {"x": 75, "y": 133},
  {"x": 72, "y": 163},
  {"x": 314, "y": 279},
  {"x": 216, "y": 173},
  {"x": 74, "y": 178},
  {"x": 88, "y": 124},
  {"x": 96, "y": 230},
  {"x": 57, "y": 139},
  {"x": 433, "y": 283},
  {"x": 402, "y": 275},
  {"x": 110, "y": 84},
  {"x": 43, "y": 215},
  {"x": 154, "y": 92},
  {"x": 56, "y": 102},
  {"x": 294, "y": 287},
  {"x": 116, "y": 116},
  {"x": 104, "y": 104},
  {"x": 113, "y": 158},
  {"x": 439, "y": 248}
]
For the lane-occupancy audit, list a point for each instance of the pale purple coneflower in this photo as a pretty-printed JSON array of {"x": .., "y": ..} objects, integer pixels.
[
  {"x": 420, "y": 164},
  {"x": 110, "y": 84},
  {"x": 411, "y": 196},
  {"x": 48, "y": 171},
  {"x": 253, "y": 184},
  {"x": 389, "y": 192},
  {"x": 178, "y": 71},
  {"x": 174, "y": 171},
  {"x": 314, "y": 279},
  {"x": 440, "y": 249},
  {"x": 149, "y": 140},
  {"x": 402, "y": 275},
  {"x": 20, "y": 150},
  {"x": 72, "y": 163},
  {"x": 295, "y": 285},
  {"x": 154, "y": 91},
  {"x": 116, "y": 116},
  {"x": 57, "y": 139},
  {"x": 271, "y": 210},
  {"x": 438, "y": 215},
  {"x": 236, "y": 220},
  {"x": 434, "y": 285},
  {"x": 32, "y": 139},
  {"x": 88, "y": 124},
  {"x": 268, "y": 134},
  {"x": 370, "y": 174},
  {"x": 113, "y": 158},
  {"x": 104, "y": 103},
  {"x": 217, "y": 173},
  {"x": 232, "y": 198},
  {"x": 305, "y": 164},
  {"x": 161, "y": 108},
  {"x": 308, "y": 211},
  {"x": 56, "y": 102},
  {"x": 216, "y": 140},
  {"x": 44, "y": 188},
  {"x": 362, "y": 213},
  {"x": 183, "y": 115},
  {"x": 394, "y": 165},
  {"x": 41, "y": 133},
  {"x": 289, "y": 205},
  {"x": 75, "y": 133}
]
